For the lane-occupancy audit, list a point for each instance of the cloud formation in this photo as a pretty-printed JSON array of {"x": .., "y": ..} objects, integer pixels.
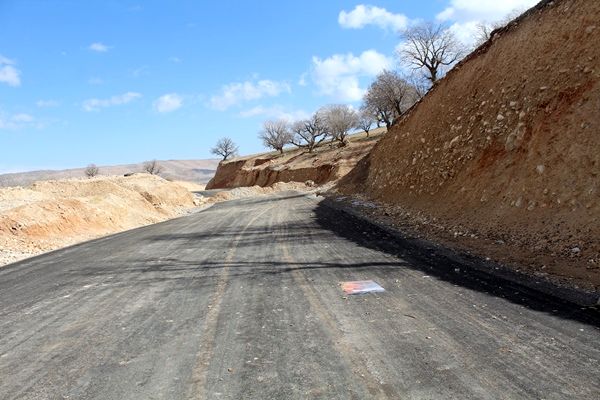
[
  {"x": 466, "y": 15},
  {"x": 9, "y": 74},
  {"x": 239, "y": 92},
  {"x": 339, "y": 76},
  {"x": 99, "y": 47},
  {"x": 482, "y": 10},
  {"x": 47, "y": 103},
  {"x": 168, "y": 102},
  {"x": 16, "y": 121},
  {"x": 363, "y": 15},
  {"x": 276, "y": 112},
  {"x": 97, "y": 104}
]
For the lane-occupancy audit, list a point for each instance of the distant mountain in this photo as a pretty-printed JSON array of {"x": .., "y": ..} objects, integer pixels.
[{"x": 200, "y": 171}]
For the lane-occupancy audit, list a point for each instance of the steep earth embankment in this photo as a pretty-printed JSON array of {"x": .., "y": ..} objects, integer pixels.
[
  {"x": 326, "y": 163},
  {"x": 502, "y": 157},
  {"x": 52, "y": 214}
]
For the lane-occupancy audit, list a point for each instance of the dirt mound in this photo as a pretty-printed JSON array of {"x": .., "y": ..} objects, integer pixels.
[
  {"x": 505, "y": 149},
  {"x": 326, "y": 163},
  {"x": 253, "y": 191},
  {"x": 53, "y": 214}
]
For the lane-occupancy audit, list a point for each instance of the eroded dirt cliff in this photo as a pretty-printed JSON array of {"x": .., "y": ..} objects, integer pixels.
[
  {"x": 503, "y": 155},
  {"x": 326, "y": 163}
]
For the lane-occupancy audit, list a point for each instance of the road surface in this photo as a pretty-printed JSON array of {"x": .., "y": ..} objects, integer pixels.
[{"x": 242, "y": 301}]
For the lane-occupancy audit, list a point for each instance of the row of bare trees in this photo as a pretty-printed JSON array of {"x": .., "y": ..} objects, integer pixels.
[
  {"x": 428, "y": 50},
  {"x": 333, "y": 122},
  {"x": 152, "y": 167},
  {"x": 388, "y": 97}
]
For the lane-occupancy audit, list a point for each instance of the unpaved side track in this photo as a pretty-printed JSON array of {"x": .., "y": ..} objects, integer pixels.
[{"x": 242, "y": 301}]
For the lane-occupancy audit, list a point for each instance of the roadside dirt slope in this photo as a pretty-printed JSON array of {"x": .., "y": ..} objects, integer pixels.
[
  {"x": 503, "y": 155},
  {"x": 52, "y": 214},
  {"x": 326, "y": 163}
]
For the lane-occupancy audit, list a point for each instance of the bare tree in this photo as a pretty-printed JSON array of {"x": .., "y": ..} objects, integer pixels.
[
  {"x": 430, "y": 47},
  {"x": 485, "y": 30},
  {"x": 309, "y": 133},
  {"x": 275, "y": 134},
  {"x": 420, "y": 84},
  {"x": 225, "y": 148},
  {"x": 152, "y": 167},
  {"x": 388, "y": 97},
  {"x": 340, "y": 120},
  {"x": 365, "y": 120},
  {"x": 91, "y": 170}
]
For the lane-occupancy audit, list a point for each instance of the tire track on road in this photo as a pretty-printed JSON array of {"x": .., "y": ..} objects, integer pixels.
[
  {"x": 355, "y": 362},
  {"x": 199, "y": 376}
]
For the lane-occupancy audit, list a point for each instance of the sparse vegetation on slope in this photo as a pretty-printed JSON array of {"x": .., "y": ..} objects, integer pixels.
[{"x": 326, "y": 162}]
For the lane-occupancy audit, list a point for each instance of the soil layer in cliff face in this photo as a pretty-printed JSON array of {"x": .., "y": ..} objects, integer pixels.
[
  {"x": 502, "y": 157},
  {"x": 328, "y": 162}
]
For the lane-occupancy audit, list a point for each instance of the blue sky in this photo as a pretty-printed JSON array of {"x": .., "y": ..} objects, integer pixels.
[{"x": 114, "y": 82}]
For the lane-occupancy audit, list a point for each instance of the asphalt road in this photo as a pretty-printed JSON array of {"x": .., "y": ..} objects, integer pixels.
[{"x": 242, "y": 301}]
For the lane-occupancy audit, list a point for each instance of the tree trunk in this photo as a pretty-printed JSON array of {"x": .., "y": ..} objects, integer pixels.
[{"x": 433, "y": 73}]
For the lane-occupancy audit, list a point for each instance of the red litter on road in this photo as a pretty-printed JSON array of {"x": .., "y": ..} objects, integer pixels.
[{"x": 361, "y": 287}]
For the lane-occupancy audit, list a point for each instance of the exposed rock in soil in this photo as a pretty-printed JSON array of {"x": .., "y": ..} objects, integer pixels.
[{"x": 506, "y": 147}]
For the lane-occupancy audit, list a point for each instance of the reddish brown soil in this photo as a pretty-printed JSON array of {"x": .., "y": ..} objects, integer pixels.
[
  {"x": 326, "y": 163},
  {"x": 502, "y": 157}
]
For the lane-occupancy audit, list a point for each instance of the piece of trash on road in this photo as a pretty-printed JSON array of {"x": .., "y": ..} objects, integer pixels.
[{"x": 360, "y": 287}]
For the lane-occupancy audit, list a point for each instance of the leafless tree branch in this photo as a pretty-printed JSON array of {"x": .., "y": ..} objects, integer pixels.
[{"x": 225, "y": 148}]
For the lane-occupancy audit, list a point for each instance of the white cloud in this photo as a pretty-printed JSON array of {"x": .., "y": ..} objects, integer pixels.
[
  {"x": 175, "y": 60},
  {"x": 276, "y": 112},
  {"x": 97, "y": 104},
  {"x": 238, "y": 92},
  {"x": 99, "y": 47},
  {"x": 168, "y": 102},
  {"x": 363, "y": 15},
  {"x": 144, "y": 70},
  {"x": 466, "y": 15},
  {"x": 466, "y": 32},
  {"x": 16, "y": 121},
  {"x": 302, "y": 80},
  {"x": 482, "y": 10},
  {"x": 339, "y": 75},
  {"x": 9, "y": 74},
  {"x": 22, "y": 117},
  {"x": 47, "y": 103}
]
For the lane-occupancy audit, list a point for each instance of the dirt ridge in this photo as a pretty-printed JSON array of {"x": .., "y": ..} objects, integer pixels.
[
  {"x": 52, "y": 214},
  {"x": 502, "y": 154},
  {"x": 328, "y": 162}
]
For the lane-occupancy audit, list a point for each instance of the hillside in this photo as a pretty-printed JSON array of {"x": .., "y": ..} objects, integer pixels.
[
  {"x": 199, "y": 171},
  {"x": 502, "y": 157},
  {"x": 52, "y": 214},
  {"x": 326, "y": 163}
]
